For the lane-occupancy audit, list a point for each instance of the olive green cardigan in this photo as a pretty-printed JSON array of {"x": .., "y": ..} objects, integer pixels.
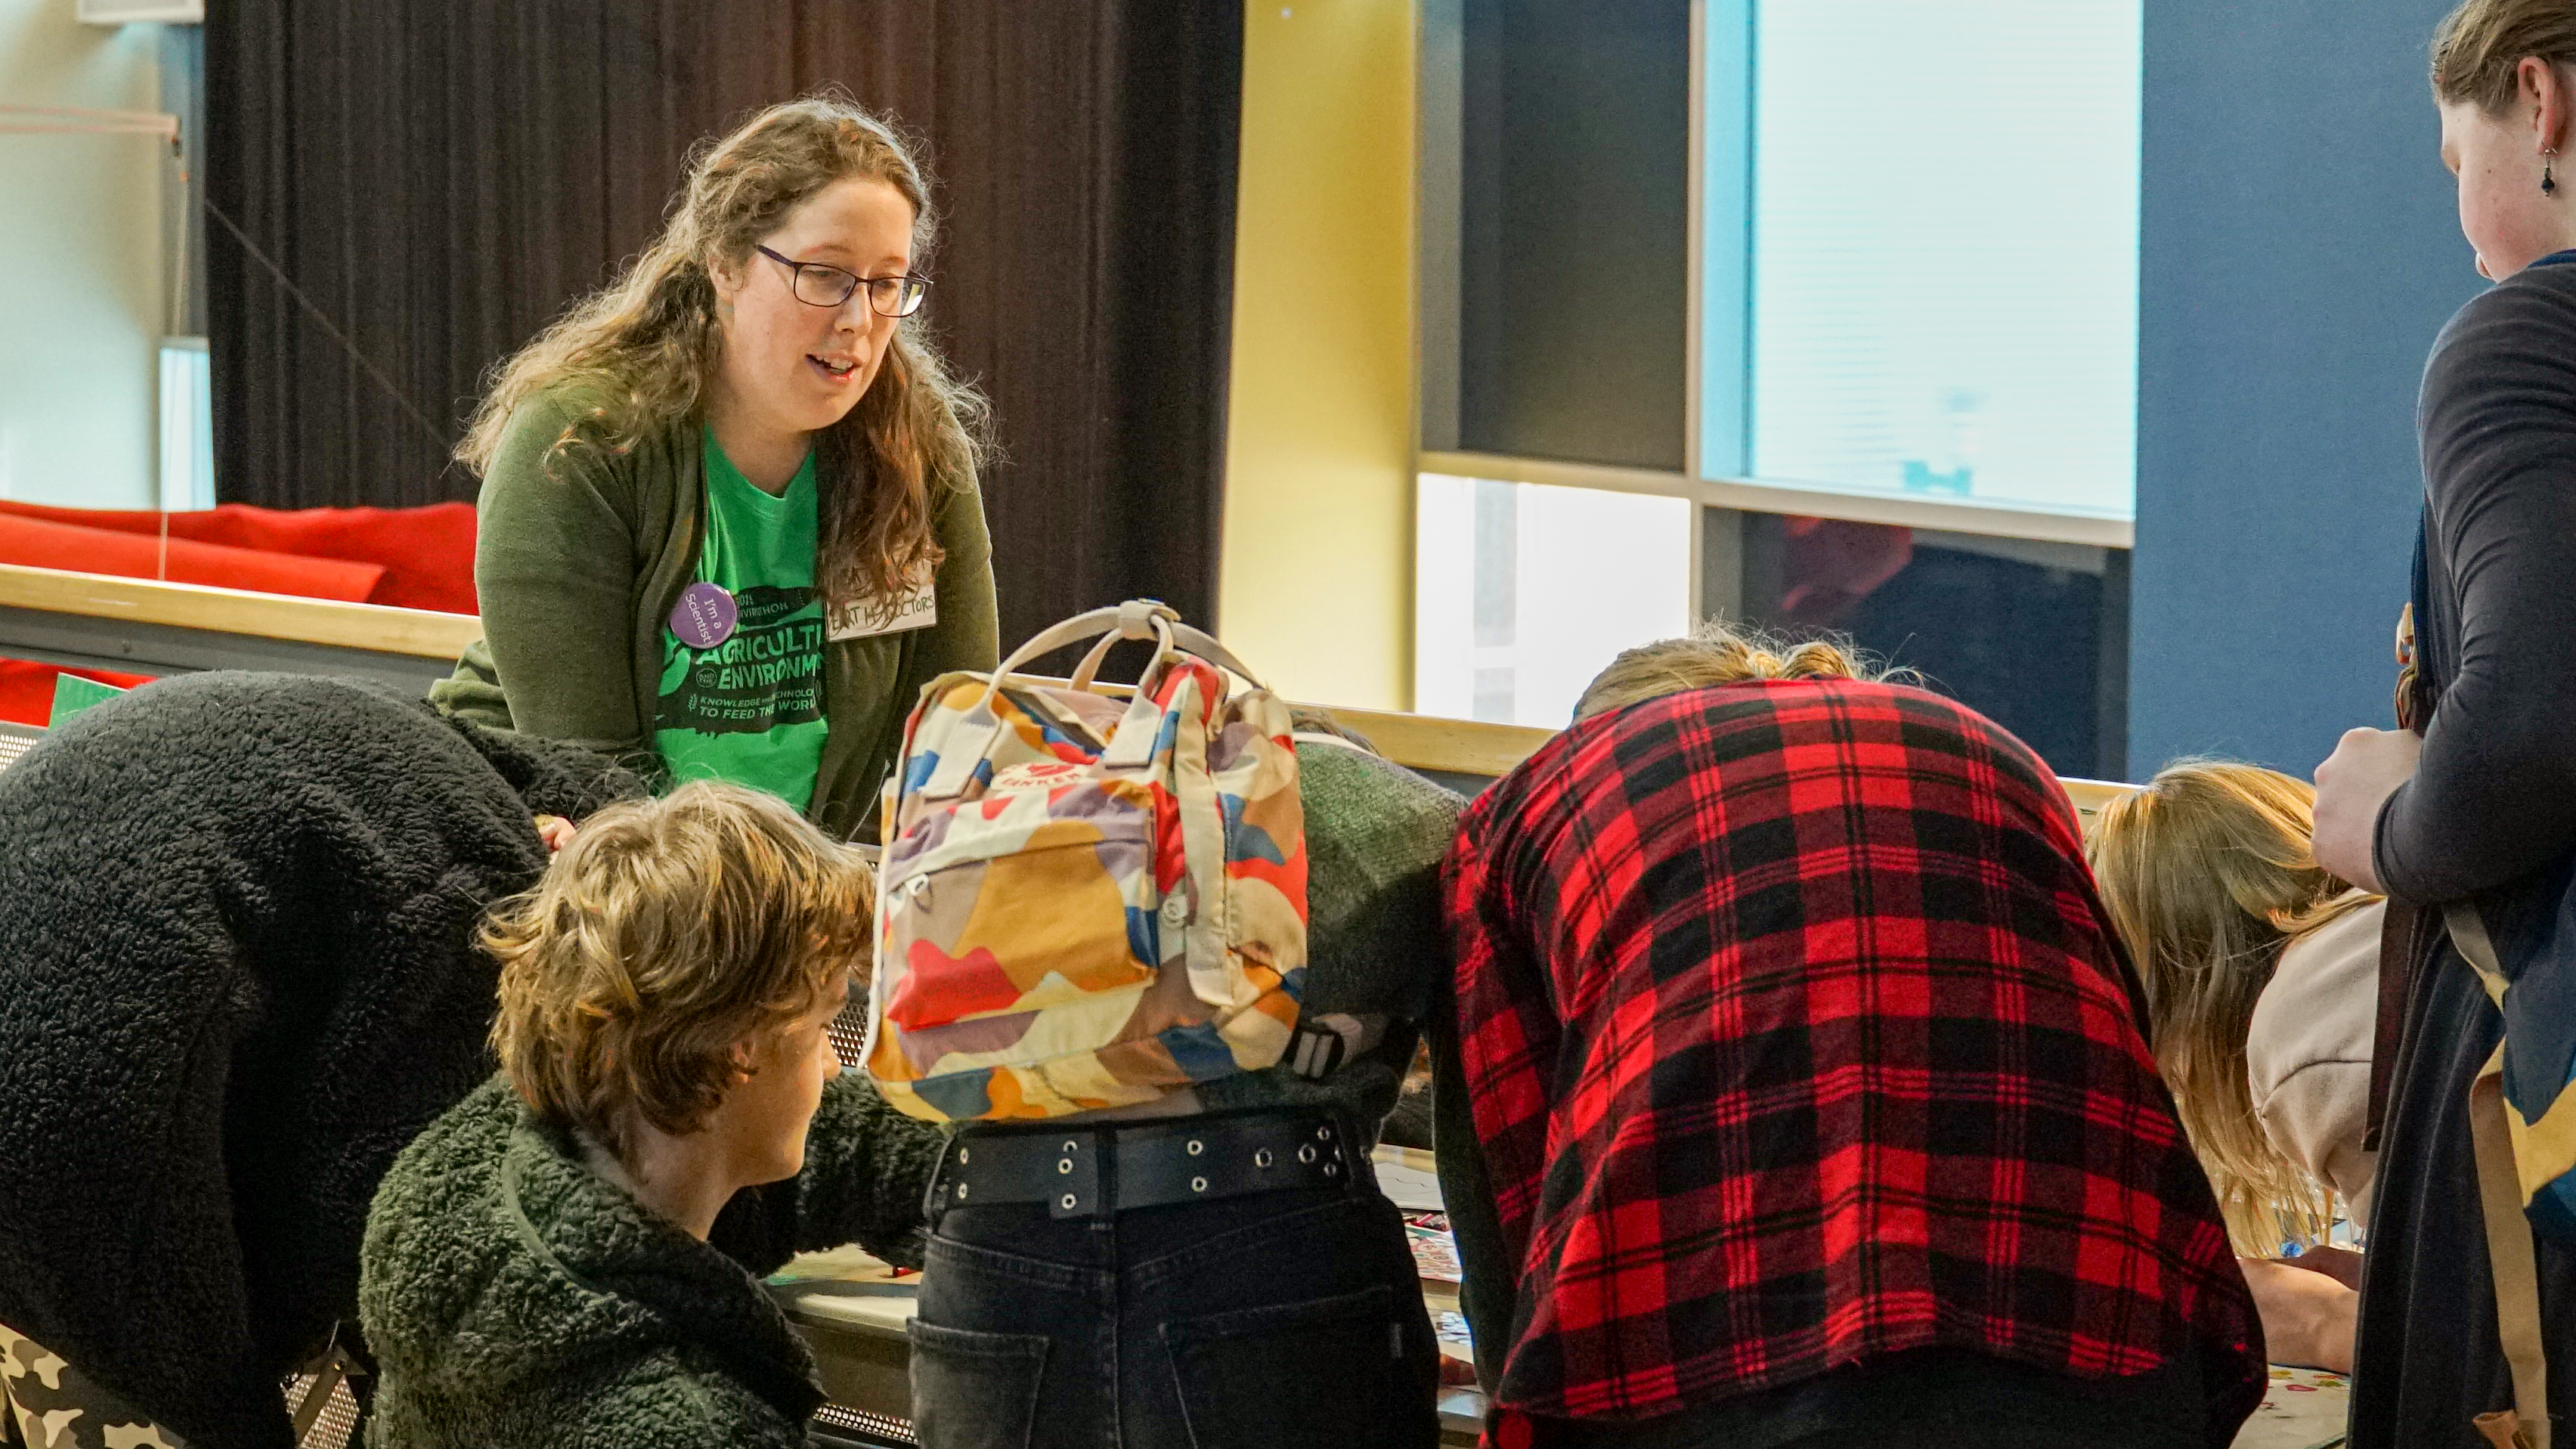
[{"x": 580, "y": 555}]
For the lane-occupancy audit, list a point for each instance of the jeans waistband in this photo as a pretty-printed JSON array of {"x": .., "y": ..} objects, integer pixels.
[{"x": 1099, "y": 1171}]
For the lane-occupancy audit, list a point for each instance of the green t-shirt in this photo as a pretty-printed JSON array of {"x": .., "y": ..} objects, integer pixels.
[{"x": 750, "y": 710}]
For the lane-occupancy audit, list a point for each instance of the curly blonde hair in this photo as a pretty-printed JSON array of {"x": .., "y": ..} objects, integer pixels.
[
  {"x": 1721, "y": 653},
  {"x": 667, "y": 932},
  {"x": 646, "y": 348},
  {"x": 2207, "y": 876}
]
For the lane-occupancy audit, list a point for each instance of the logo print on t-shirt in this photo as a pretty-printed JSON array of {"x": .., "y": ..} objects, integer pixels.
[{"x": 768, "y": 673}]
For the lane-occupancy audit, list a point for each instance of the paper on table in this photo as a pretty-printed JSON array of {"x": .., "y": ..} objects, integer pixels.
[
  {"x": 846, "y": 1286},
  {"x": 2301, "y": 1409},
  {"x": 851, "y": 1264},
  {"x": 1407, "y": 1177},
  {"x": 1435, "y": 1253}
]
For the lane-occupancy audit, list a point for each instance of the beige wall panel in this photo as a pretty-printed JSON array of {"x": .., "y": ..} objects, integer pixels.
[{"x": 1317, "y": 588}]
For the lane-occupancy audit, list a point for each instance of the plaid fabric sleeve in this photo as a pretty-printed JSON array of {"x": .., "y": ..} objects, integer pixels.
[{"x": 1507, "y": 1039}]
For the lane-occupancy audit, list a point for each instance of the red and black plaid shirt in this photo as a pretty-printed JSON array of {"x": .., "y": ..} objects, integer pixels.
[{"x": 1795, "y": 1035}]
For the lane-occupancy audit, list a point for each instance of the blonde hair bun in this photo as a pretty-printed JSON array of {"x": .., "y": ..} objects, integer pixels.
[{"x": 1718, "y": 653}]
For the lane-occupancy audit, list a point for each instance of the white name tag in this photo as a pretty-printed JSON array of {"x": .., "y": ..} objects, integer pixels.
[{"x": 867, "y": 619}]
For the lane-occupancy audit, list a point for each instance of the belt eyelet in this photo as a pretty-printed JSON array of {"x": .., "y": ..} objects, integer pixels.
[
  {"x": 1332, "y": 1169},
  {"x": 1196, "y": 1147},
  {"x": 1070, "y": 1144},
  {"x": 961, "y": 1191},
  {"x": 1063, "y": 1166},
  {"x": 1306, "y": 1153},
  {"x": 1323, "y": 1134},
  {"x": 1067, "y": 1200},
  {"x": 1198, "y": 1184},
  {"x": 1261, "y": 1158}
]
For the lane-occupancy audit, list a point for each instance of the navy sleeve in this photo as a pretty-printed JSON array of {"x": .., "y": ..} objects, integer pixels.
[{"x": 2494, "y": 796}]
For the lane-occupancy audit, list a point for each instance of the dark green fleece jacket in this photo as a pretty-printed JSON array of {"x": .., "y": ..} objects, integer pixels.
[
  {"x": 515, "y": 1299},
  {"x": 580, "y": 553}
]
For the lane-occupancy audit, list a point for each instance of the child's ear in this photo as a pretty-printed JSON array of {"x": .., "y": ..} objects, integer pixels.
[{"x": 746, "y": 1061}]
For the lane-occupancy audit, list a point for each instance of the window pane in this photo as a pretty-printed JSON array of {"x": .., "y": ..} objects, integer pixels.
[
  {"x": 187, "y": 426},
  {"x": 1497, "y": 565},
  {"x": 1945, "y": 249},
  {"x": 1523, "y": 592}
]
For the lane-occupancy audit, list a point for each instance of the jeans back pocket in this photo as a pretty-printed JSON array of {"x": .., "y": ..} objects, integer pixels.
[
  {"x": 1327, "y": 1371},
  {"x": 975, "y": 1390}
]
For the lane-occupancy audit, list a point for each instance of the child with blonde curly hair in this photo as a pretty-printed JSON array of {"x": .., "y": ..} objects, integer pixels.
[{"x": 573, "y": 1253}]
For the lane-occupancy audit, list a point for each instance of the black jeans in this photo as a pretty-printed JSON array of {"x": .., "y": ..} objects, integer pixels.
[{"x": 1286, "y": 1318}]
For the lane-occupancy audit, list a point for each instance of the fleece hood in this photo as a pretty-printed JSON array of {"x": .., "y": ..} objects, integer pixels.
[{"x": 237, "y": 975}]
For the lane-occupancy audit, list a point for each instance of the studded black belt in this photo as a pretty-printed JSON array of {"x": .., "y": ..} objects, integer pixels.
[{"x": 1083, "y": 1171}]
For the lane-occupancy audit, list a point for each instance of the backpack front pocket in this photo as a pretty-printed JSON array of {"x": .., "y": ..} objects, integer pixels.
[{"x": 1022, "y": 904}]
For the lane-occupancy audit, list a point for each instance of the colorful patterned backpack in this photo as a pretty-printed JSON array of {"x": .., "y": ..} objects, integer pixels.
[{"x": 1085, "y": 903}]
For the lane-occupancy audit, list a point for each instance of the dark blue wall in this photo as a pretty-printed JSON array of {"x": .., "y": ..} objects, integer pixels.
[{"x": 2298, "y": 252}]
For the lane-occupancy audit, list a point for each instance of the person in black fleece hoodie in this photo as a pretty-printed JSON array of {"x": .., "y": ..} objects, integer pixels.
[{"x": 237, "y": 975}]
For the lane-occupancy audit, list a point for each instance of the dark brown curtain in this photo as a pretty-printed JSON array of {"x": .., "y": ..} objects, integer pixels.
[{"x": 438, "y": 178}]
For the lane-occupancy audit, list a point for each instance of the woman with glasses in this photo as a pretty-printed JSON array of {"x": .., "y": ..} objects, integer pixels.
[{"x": 729, "y": 519}]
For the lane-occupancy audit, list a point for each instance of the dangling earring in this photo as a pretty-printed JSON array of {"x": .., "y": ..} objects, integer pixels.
[{"x": 2548, "y": 184}]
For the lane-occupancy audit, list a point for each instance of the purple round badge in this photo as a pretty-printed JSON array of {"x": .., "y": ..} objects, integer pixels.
[{"x": 705, "y": 616}]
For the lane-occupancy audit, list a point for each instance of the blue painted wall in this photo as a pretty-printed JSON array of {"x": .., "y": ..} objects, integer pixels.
[{"x": 2299, "y": 250}]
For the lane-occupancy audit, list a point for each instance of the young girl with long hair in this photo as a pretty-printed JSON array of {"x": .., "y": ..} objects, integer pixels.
[
  {"x": 2261, "y": 975},
  {"x": 2261, "y": 970}
]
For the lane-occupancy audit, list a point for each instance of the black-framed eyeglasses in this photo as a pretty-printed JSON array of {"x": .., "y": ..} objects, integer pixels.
[{"x": 819, "y": 285}]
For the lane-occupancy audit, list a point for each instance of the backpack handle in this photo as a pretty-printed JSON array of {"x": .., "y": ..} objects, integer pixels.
[
  {"x": 1090, "y": 665},
  {"x": 1135, "y": 619}
]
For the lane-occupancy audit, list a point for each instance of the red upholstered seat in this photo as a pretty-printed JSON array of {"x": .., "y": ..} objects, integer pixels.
[
  {"x": 45, "y": 544},
  {"x": 413, "y": 558},
  {"x": 427, "y": 554}
]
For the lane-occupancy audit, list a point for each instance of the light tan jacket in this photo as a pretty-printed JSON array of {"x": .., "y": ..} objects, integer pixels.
[{"x": 2307, "y": 1052}]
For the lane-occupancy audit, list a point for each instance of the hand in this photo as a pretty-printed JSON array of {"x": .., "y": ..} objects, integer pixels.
[
  {"x": 555, "y": 831},
  {"x": 2366, "y": 768},
  {"x": 2308, "y": 1318},
  {"x": 2341, "y": 1264}
]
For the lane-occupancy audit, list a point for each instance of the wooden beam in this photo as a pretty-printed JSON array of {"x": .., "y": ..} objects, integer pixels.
[
  {"x": 1480, "y": 747},
  {"x": 1452, "y": 746},
  {"x": 416, "y": 632},
  {"x": 1417, "y": 741}
]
